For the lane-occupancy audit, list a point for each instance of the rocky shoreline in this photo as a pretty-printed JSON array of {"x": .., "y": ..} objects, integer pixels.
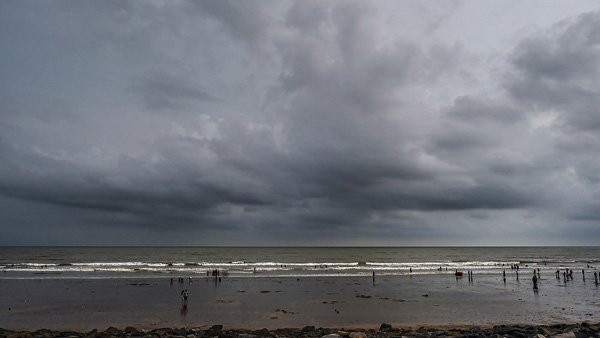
[{"x": 579, "y": 330}]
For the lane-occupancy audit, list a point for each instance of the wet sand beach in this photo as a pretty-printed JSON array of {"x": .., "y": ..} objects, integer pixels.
[{"x": 254, "y": 303}]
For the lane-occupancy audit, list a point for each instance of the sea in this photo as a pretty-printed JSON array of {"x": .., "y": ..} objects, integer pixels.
[{"x": 283, "y": 262}]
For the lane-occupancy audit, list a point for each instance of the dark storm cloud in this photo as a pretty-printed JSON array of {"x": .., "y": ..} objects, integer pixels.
[
  {"x": 556, "y": 74},
  {"x": 478, "y": 111},
  {"x": 163, "y": 91},
  {"x": 560, "y": 70},
  {"x": 245, "y": 122},
  {"x": 150, "y": 190},
  {"x": 245, "y": 21}
]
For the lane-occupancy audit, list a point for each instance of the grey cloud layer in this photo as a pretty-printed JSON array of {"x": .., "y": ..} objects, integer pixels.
[{"x": 274, "y": 121}]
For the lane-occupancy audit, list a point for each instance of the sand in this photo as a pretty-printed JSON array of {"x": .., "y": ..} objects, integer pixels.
[{"x": 254, "y": 303}]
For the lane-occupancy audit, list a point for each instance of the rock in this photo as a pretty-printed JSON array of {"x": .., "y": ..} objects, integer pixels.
[
  {"x": 325, "y": 331},
  {"x": 21, "y": 335},
  {"x": 67, "y": 334},
  {"x": 246, "y": 335},
  {"x": 262, "y": 333},
  {"x": 308, "y": 329},
  {"x": 590, "y": 326},
  {"x": 385, "y": 327},
  {"x": 162, "y": 331},
  {"x": 92, "y": 333},
  {"x": 216, "y": 328},
  {"x": 6, "y": 333},
  {"x": 502, "y": 329},
  {"x": 564, "y": 335},
  {"x": 43, "y": 333},
  {"x": 357, "y": 335},
  {"x": 96, "y": 334},
  {"x": 517, "y": 332},
  {"x": 583, "y": 330},
  {"x": 179, "y": 332},
  {"x": 587, "y": 324},
  {"x": 228, "y": 335},
  {"x": 131, "y": 330},
  {"x": 113, "y": 330}
]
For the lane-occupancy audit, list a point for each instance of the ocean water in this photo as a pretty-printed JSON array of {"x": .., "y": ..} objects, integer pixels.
[
  {"x": 160, "y": 262},
  {"x": 294, "y": 287}
]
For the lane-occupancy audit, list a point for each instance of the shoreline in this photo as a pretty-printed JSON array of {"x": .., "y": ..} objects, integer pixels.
[{"x": 563, "y": 330}]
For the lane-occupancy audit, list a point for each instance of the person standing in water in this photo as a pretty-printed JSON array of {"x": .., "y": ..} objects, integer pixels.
[{"x": 184, "y": 297}]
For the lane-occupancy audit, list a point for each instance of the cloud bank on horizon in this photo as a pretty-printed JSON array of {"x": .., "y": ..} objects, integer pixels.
[{"x": 299, "y": 123}]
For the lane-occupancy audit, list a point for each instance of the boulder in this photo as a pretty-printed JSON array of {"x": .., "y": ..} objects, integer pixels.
[
  {"x": 308, "y": 329},
  {"x": 590, "y": 326},
  {"x": 217, "y": 327},
  {"x": 43, "y": 333},
  {"x": 357, "y": 335},
  {"x": 246, "y": 335},
  {"x": 22, "y": 335},
  {"x": 570, "y": 334},
  {"x": 179, "y": 332},
  {"x": 517, "y": 332},
  {"x": 385, "y": 327},
  {"x": 162, "y": 331},
  {"x": 543, "y": 331},
  {"x": 331, "y": 335},
  {"x": 92, "y": 333},
  {"x": 67, "y": 334},
  {"x": 131, "y": 330},
  {"x": 113, "y": 330},
  {"x": 262, "y": 333}
]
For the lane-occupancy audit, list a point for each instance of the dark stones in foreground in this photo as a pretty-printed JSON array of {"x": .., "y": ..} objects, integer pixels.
[
  {"x": 582, "y": 330},
  {"x": 385, "y": 327}
]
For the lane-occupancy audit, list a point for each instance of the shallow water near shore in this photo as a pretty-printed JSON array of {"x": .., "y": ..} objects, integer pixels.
[
  {"x": 86, "y": 288},
  {"x": 84, "y": 304}
]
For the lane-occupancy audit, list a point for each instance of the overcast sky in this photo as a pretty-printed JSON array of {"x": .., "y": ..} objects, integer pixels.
[{"x": 299, "y": 123}]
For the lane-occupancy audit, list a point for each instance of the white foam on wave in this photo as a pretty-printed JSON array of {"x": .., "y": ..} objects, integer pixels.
[
  {"x": 119, "y": 264},
  {"x": 258, "y": 264},
  {"x": 269, "y": 268}
]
